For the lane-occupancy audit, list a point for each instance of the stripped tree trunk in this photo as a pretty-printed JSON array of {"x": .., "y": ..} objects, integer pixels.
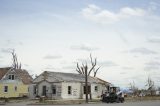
[{"x": 84, "y": 70}]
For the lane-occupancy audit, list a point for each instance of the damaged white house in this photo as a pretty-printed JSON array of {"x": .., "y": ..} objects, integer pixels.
[{"x": 58, "y": 85}]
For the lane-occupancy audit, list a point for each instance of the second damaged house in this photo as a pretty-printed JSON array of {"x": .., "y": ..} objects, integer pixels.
[
  {"x": 14, "y": 82},
  {"x": 58, "y": 85}
]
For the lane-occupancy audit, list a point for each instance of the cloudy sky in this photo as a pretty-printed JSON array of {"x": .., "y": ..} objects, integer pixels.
[{"x": 124, "y": 36}]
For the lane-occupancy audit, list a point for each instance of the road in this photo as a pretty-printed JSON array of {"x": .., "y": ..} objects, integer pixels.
[{"x": 144, "y": 103}]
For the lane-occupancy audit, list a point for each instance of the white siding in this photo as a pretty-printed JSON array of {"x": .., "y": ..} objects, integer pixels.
[
  {"x": 48, "y": 88},
  {"x": 96, "y": 94},
  {"x": 31, "y": 91},
  {"x": 76, "y": 90}
]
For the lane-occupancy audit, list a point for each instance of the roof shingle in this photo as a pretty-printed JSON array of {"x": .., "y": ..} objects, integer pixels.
[
  {"x": 24, "y": 75},
  {"x": 69, "y": 77},
  {"x": 3, "y": 71}
]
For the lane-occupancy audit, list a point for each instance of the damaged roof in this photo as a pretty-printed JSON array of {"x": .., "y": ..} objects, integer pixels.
[
  {"x": 21, "y": 73},
  {"x": 24, "y": 75},
  {"x": 62, "y": 77},
  {"x": 3, "y": 71}
]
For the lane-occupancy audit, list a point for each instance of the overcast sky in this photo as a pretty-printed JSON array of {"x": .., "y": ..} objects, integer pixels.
[{"x": 124, "y": 36}]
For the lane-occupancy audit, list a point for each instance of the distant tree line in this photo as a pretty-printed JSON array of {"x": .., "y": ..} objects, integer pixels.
[{"x": 150, "y": 88}]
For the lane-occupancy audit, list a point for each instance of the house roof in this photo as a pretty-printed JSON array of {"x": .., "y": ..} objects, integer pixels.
[
  {"x": 24, "y": 75},
  {"x": 21, "y": 73},
  {"x": 3, "y": 71},
  {"x": 102, "y": 81},
  {"x": 69, "y": 77}
]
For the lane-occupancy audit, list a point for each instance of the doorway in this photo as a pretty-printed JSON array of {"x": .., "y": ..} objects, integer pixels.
[{"x": 44, "y": 89}]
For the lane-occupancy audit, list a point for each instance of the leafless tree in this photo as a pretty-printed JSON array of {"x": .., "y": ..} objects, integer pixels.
[
  {"x": 85, "y": 70},
  {"x": 15, "y": 63},
  {"x": 134, "y": 88},
  {"x": 81, "y": 69},
  {"x": 150, "y": 86}
]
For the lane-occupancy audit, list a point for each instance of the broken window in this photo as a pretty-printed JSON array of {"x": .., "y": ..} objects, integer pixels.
[
  {"x": 89, "y": 89},
  {"x": 69, "y": 89},
  {"x": 96, "y": 88},
  {"x": 5, "y": 88},
  {"x": 34, "y": 89},
  {"x": 54, "y": 89},
  {"x": 11, "y": 77}
]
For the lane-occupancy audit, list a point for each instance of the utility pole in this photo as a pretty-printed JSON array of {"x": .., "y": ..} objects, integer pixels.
[{"x": 86, "y": 83}]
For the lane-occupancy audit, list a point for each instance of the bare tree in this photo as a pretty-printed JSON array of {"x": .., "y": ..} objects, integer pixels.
[
  {"x": 81, "y": 69},
  {"x": 85, "y": 70},
  {"x": 15, "y": 63},
  {"x": 134, "y": 88},
  {"x": 150, "y": 86}
]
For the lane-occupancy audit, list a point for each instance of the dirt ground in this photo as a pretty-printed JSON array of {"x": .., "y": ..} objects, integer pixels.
[{"x": 141, "y": 103}]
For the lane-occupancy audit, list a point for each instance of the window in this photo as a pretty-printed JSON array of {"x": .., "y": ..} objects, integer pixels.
[
  {"x": 89, "y": 89},
  {"x": 11, "y": 77},
  {"x": 34, "y": 89},
  {"x": 96, "y": 88},
  {"x": 5, "y": 88},
  {"x": 15, "y": 88},
  {"x": 69, "y": 89},
  {"x": 53, "y": 89}
]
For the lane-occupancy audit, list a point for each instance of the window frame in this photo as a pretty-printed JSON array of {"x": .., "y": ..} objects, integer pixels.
[
  {"x": 5, "y": 89},
  {"x": 84, "y": 89},
  {"x": 54, "y": 90},
  {"x": 34, "y": 89},
  {"x": 96, "y": 88},
  {"x": 69, "y": 90},
  {"x": 11, "y": 76}
]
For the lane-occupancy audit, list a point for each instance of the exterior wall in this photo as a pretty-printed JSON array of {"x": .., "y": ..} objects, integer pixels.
[
  {"x": 22, "y": 90},
  {"x": 76, "y": 90},
  {"x": 58, "y": 94},
  {"x": 96, "y": 93},
  {"x": 31, "y": 91},
  {"x": 157, "y": 92},
  {"x": 49, "y": 93},
  {"x": 48, "y": 88}
]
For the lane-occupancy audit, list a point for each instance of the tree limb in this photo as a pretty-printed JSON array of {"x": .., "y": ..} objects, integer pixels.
[
  {"x": 78, "y": 69},
  {"x": 95, "y": 72}
]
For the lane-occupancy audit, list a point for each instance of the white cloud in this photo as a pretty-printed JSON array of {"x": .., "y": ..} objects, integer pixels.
[
  {"x": 52, "y": 57},
  {"x": 6, "y": 50},
  {"x": 128, "y": 12},
  {"x": 127, "y": 68},
  {"x": 153, "y": 6},
  {"x": 144, "y": 51},
  {"x": 104, "y": 16},
  {"x": 85, "y": 47},
  {"x": 71, "y": 67},
  {"x": 154, "y": 40},
  {"x": 108, "y": 64}
]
